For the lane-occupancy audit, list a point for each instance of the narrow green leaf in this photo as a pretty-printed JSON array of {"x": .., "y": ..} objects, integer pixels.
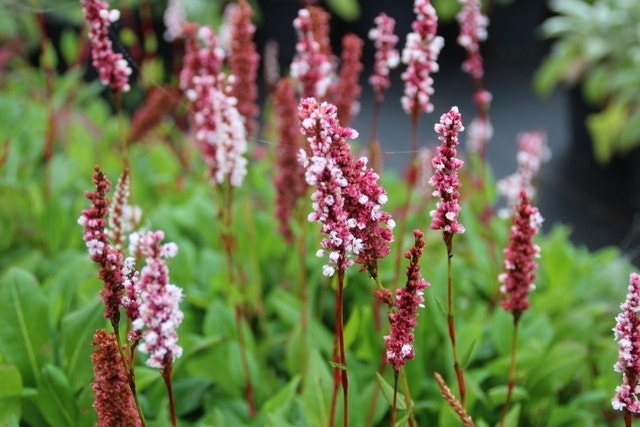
[
  {"x": 281, "y": 401},
  {"x": 55, "y": 398},
  {"x": 387, "y": 391},
  {"x": 77, "y": 331},
  {"x": 24, "y": 331},
  {"x": 349, "y": 10}
]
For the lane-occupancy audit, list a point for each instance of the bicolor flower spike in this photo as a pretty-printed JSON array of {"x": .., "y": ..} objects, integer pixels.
[
  {"x": 445, "y": 181},
  {"x": 399, "y": 342},
  {"x": 113, "y": 69},
  {"x": 159, "y": 310},
  {"x": 627, "y": 334},
  {"x": 420, "y": 54},
  {"x": 519, "y": 261},
  {"x": 347, "y": 201}
]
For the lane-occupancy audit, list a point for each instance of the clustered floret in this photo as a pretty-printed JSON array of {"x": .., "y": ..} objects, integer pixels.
[
  {"x": 113, "y": 69},
  {"x": 420, "y": 54},
  {"x": 159, "y": 312},
  {"x": 387, "y": 56},
  {"x": 445, "y": 179},
  {"x": 399, "y": 342},
  {"x": 627, "y": 334},
  {"x": 219, "y": 128},
  {"x": 312, "y": 68},
  {"x": 348, "y": 200},
  {"x": 519, "y": 262},
  {"x": 473, "y": 30}
]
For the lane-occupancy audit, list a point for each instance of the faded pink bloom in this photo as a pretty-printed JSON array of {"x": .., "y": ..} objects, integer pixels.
[
  {"x": 473, "y": 30},
  {"x": 405, "y": 309},
  {"x": 532, "y": 153},
  {"x": 445, "y": 179},
  {"x": 479, "y": 131},
  {"x": 219, "y": 128},
  {"x": 113, "y": 69},
  {"x": 289, "y": 180},
  {"x": 113, "y": 401},
  {"x": 347, "y": 91},
  {"x": 270, "y": 63},
  {"x": 123, "y": 218},
  {"x": 387, "y": 56},
  {"x": 174, "y": 20},
  {"x": 519, "y": 262},
  {"x": 420, "y": 54},
  {"x": 159, "y": 310},
  {"x": 348, "y": 200},
  {"x": 102, "y": 253},
  {"x": 243, "y": 64},
  {"x": 627, "y": 334},
  {"x": 312, "y": 68}
]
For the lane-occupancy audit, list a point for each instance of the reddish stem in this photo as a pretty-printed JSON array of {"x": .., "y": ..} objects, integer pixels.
[
  {"x": 166, "y": 376},
  {"x": 512, "y": 372},
  {"x": 448, "y": 239}
]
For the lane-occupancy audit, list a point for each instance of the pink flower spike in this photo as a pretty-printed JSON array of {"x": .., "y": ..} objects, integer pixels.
[
  {"x": 473, "y": 30},
  {"x": 243, "y": 63},
  {"x": 399, "y": 342},
  {"x": 532, "y": 153},
  {"x": 627, "y": 334},
  {"x": 159, "y": 310},
  {"x": 312, "y": 68},
  {"x": 519, "y": 262},
  {"x": 347, "y": 91},
  {"x": 445, "y": 179},
  {"x": 420, "y": 54},
  {"x": 387, "y": 56},
  {"x": 348, "y": 200},
  {"x": 113, "y": 69},
  {"x": 219, "y": 128}
]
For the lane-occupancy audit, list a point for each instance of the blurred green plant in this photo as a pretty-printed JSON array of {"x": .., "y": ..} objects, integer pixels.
[{"x": 596, "y": 48}]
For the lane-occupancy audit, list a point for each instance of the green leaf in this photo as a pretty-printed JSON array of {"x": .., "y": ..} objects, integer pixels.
[
  {"x": 24, "y": 331},
  {"x": 55, "y": 399},
  {"x": 77, "y": 330},
  {"x": 605, "y": 128},
  {"x": 349, "y": 10},
  {"x": 387, "y": 391},
  {"x": 10, "y": 394},
  {"x": 280, "y": 403}
]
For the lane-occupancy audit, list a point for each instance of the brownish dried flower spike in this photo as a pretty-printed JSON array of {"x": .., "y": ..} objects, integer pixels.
[
  {"x": 113, "y": 402},
  {"x": 453, "y": 402},
  {"x": 160, "y": 102}
]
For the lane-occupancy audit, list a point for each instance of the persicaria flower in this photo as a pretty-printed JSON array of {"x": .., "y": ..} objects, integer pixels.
[
  {"x": 159, "y": 310},
  {"x": 420, "y": 54},
  {"x": 289, "y": 180},
  {"x": 219, "y": 127},
  {"x": 399, "y": 342},
  {"x": 387, "y": 56},
  {"x": 532, "y": 153},
  {"x": 243, "y": 64},
  {"x": 473, "y": 30},
  {"x": 100, "y": 250},
  {"x": 312, "y": 68},
  {"x": 627, "y": 334},
  {"x": 347, "y": 91},
  {"x": 113, "y": 401},
  {"x": 113, "y": 69},
  {"x": 445, "y": 179},
  {"x": 348, "y": 200},
  {"x": 174, "y": 20},
  {"x": 519, "y": 262}
]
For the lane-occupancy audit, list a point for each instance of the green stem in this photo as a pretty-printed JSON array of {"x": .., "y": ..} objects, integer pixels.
[
  {"x": 407, "y": 399},
  {"x": 395, "y": 397},
  {"x": 512, "y": 373},
  {"x": 448, "y": 239}
]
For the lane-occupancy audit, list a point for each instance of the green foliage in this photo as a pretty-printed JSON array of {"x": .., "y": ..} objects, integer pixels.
[
  {"x": 49, "y": 304},
  {"x": 596, "y": 48}
]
